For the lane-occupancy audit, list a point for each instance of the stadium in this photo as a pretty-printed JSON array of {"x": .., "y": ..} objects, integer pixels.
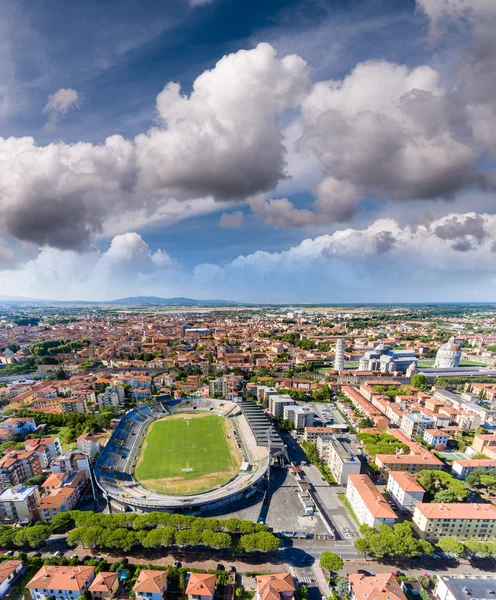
[{"x": 190, "y": 455}]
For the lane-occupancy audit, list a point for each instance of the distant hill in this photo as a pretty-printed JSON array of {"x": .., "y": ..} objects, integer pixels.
[{"x": 156, "y": 301}]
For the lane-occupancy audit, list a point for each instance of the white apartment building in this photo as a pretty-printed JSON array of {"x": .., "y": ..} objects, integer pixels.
[
  {"x": 277, "y": 403},
  {"x": 404, "y": 490},
  {"x": 312, "y": 433},
  {"x": 19, "y": 502},
  {"x": 433, "y": 437},
  {"x": 89, "y": 443},
  {"x": 368, "y": 504},
  {"x": 112, "y": 396},
  {"x": 299, "y": 416},
  {"x": 340, "y": 457},
  {"x": 413, "y": 424}
]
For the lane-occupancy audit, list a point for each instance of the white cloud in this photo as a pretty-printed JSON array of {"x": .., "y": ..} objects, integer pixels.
[
  {"x": 221, "y": 143},
  {"x": 59, "y": 104},
  {"x": 452, "y": 255},
  {"x": 128, "y": 264},
  {"x": 199, "y": 2}
]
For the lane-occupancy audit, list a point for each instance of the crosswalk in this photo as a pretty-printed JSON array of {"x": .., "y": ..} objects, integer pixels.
[{"x": 342, "y": 525}]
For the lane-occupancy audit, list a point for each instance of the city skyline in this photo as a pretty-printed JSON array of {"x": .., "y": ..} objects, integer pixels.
[{"x": 314, "y": 152}]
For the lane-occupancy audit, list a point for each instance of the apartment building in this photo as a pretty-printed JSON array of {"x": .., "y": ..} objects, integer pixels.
[
  {"x": 382, "y": 586},
  {"x": 278, "y": 586},
  {"x": 277, "y": 403},
  {"x": 150, "y": 585},
  {"x": 368, "y": 503},
  {"x": 9, "y": 572},
  {"x": 412, "y": 463},
  {"x": 460, "y": 587},
  {"x": 19, "y": 426},
  {"x": 65, "y": 491},
  {"x": 312, "y": 433},
  {"x": 113, "y": 397},
  {"x": 61, "y": 583},
  {"x": 17, "y": 466},
  {"x": 461, "y": 520},
  {"x": 299, "y": 416},
  {"x": 200, "y": 586},
  {"x": 73, "y": 405},
  {"x": 341, "y": 459},
  {"x": 434, "y": 437},
  {"x": 404, "y": 490},
  {"x": 19, "y": 502},
  {"x": 218, "y": 387},
  {"x": 461, "y": 468},
  {"x": 72, "y": 460},
  {"x": 413, "y": 424},
  {"x": 89, "y": 443}
]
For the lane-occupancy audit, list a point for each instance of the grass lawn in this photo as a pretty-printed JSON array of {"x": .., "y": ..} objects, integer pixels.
[
  {"x": 187, "y": 453},
  {"x": 60, "y": 432},
  {"x": 347, "y": 505},
  {"x": 472, "y": 363}
]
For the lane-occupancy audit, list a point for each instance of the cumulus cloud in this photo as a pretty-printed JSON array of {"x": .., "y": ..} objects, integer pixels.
[
  {"x": 353, "y": 262},
  {"x": 128, "y": 264},
  {"x": 59, "y": 104},
  {"x": 220, "y": 142},
  {"x": 231, "y": 220}
]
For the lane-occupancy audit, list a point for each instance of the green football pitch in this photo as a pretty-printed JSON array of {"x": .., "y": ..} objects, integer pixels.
[{"x": 187, "y": 453}]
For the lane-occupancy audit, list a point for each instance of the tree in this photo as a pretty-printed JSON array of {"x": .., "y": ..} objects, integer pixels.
[
  {"x": 331, "y": 561},
  {"x": 342, "y": 588},
  {"x": 447, "y": 496},
  {"x": 62, "y": 521},
  {"x": 365, "y": 422},
  {"x": 452, "y": 546},
  {"x": 420, "y": 382}
]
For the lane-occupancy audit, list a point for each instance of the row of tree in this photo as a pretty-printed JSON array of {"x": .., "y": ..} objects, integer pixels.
[
  {"x": 124, "y": 539},
  {"x": 468, "y": 548},
  {"x": 143, "y": 522},
  {"x": 391, "y": 542},
  {"x": 20, "y": 537}
]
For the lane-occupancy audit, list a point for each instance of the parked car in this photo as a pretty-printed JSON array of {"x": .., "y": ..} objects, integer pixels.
[
  {"x": 177, "y": 564},
  {"x": 56, "y": 554}
]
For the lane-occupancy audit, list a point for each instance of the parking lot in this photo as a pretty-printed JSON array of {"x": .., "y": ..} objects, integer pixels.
[{"x": 285, "y": 509}]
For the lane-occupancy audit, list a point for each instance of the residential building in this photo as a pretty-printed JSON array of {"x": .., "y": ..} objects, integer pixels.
[
  {"x": 72, "y": 460},
  {"x": 218, "y": 387},
  {"x": 65, "y": 491},
  {"x": 19, "y": 502},
  {"x": 368, "y": 504},
  {"x": 52, "y": 445},
  {"x": 104, "y": 586},
  {"x": 277, "y": 403},
  {"x": 448, "y": 356},
  {"x": 279, "y": 586},
  {"x": 9, "y": 572},
  {"x": 461, "y": 520},
  {"x": 111, "y": 397},
  {"x": 413, "y": 463},
  {"x": 341, "y": 459},
  {"x": 201, "y": 586},
  {"x": 89, "y": 444},
  {"x": 150, "y": 585},
  {"x": 382, "y": 586},
  {"x": 73, "y": 405},
  {"x": 465, "y": 585},
  {"x": 312, "y": 433},
  {"x": 19, "y": 426},
  {"x": 461, "y": 468},
  {"x": 61, "y": 583},
  {"x": 434, "y": 437},
  {"x": 413, "y": 424},
  {"x": 404, "y": 490},
  {"x": 299, "y": 416}
]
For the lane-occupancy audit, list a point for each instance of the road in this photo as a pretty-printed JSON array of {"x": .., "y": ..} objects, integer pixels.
[{"x": 342, "y": 523}]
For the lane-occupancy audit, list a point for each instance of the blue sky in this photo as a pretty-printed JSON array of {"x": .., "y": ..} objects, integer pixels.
[{"x": 377, "y": 130}]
